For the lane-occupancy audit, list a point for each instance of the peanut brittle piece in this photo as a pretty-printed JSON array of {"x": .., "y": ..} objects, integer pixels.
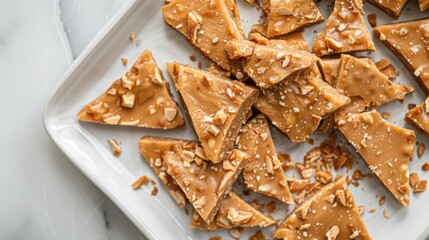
[
  {"x": 268, "y": 65},
  {"x": 330, "y": 68},
  {"x": 359, "y": 78},
  {"x": 345, "y": 31},
  {"x": 286, "y": 16},
  {"x": 154, "y": 149},
  {"x": 409, "y": 41},
  {"x": 263, "y": 173},
  {"x": 423, "y": 5},
  {"x": 208, "y": 25},
  {"x": 205, "y": 184},
  {"x": 294, "y": 39},
  {"x": 419, "y": 117},
  {"x": 386, "y": 149},
  {"x": 233, "y": 212},
  {"x": 216, "y": 107},
  {"x": 391, "y": 7},
  {"x": 297, "y": 105},
  {"x": 140, "y": 98},
  {"x": 330, "y": 214}
]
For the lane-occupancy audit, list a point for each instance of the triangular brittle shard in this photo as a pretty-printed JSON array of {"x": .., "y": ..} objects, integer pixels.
[
  {"x": 330, "y": 214},
  {"x": 263, "y": 173},
  {"x": 297, "y": 105},
  {"x": 140, "y": 98},
  {"x": 217, "y": 106},
  {"x": 345, "y": 31},
  {"x": 154, "y": 149},
  {"x": 285, "y": 16},
  {"x": 386, "y": 149},
  {"x": 208, "y": 25},
  {"x": 409, "y": 41},
  {"x": 419, "y": 117},
  {"x": 205, "y": 184},
  {"x": 233, "y": 212},
  {"x": 358, "y": 78}
]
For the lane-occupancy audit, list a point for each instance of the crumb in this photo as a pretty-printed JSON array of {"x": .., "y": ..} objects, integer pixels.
[
  {"x": 425, "y": 167},
  {"x": 124, "y": 60},
  {"x": 154, "y": 191},
  {"x": 386, "y": 115},
  {"x": 140, "y": 182},
  {"x": 372, "y": 210},
  {"x": 271, "y": 206},
  {"x": 372, "y": 19},
  {"x": 411, "y": 106},
  {"x": 385, "y": 214},
  {"x": 421, "y": 150},
  {"x": 116, "y": 149},
  {"x": 381, "y": 201},
  {"x": 186, "y": 211},
  {"x": 193, "y": 58},
  {"x": 138, "y": 42},
  {"x": 215, "y": 238},
  {"x": 132, "y": 36},
  {"x": 200, "y": 65},
  {"x": 414, "y": 179},
  {"x": 361, "y": 209},
  {"x": 310, "y": 141},
  {"x": 236, "y": 232},
  {"x": 420, "y": 186}
]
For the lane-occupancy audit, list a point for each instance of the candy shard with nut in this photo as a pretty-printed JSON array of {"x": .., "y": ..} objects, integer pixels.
[
  {"x": 409, "y": 41},
  {"x": 288, "y": 16},
  {"x": 393, "y": 8},
  {"x": 418, "y": 117},
  {"x": 397, "y": 145},
  {"x": 208, "y": 32},
  {"x": 339, "y": 221},
  {"x": 263, "y": 172},
  {"x": 358, "y": 78},
  {"x": 345, "y": 31},
  {"x": 268, "y": 65},
  {"x": 139, "y": 98},
  {"x": 294, "y": 40},
  {"x": 204, "y": 185},
  {"x": 216, "y": 106},
  {"x": 295, "y": 110},
  {"x": 233, "y": 212}
]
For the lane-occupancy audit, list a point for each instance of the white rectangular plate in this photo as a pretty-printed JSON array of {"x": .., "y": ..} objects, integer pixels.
[{"x": 158, "y": 217}]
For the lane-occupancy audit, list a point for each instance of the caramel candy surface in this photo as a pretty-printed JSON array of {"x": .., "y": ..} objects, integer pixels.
[
  {"x": 330, "y": 68},
  {"x": 233, "y": 212},
  {"x": 297, "y": 105},
  {"x": 330, "y": 214},
  {"x": 205, "y": 184},
  {"x": 294, "y": 39},
  {"x": 392, "y": 7},
  {"x": 409, "y": 41},
  {"x": 345, "y": 31},
  {"x": 268, "y": 65},
  {"x": 386, "y": 149},
  {"x": 419, "y": 117},
  {"x": 286, "y": 16},
  {"x": 216, "y": 106},
  {"x": 423, "y": 5},
  {"x": 263, "y": 173},
  {"x": 153, "y": 150},
  {"x": 358, "y": 78},
  {"x": 208, "y": 25},
  {"x": 140, "y": 98}
]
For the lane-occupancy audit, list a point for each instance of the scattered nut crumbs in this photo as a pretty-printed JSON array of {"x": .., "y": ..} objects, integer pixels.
[
  {"x": 132, "y": 36},
  {"x": 381, "y": 201},
  {"x": 411, "y": 106},
  {"x": 215, "y": 238},
  {"x": 361, "y": 209},
  {"x": 140, "y": 182},
  {"x": 124, "y": 60},
  {"x": 421, "y": 150},
  {"x": 186, "y": 211},
  {"x": 116, "y": 149},
  {"x": 425, "y": 167},
  {"x": 386, "y": 115},
  {"x": 372, "y": 210},
  {"x": 372, "y": 19},
  {"x": 193, "y": 58},
  {"x": 200, "y": 65},
  {"x": 138, "y": 42},
  {"x": 414, "y": 179},
  {"x": 258, "y": 236}
]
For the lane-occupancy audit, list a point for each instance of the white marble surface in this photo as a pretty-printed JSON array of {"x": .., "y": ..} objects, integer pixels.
[{"x": 44, "y": 196}]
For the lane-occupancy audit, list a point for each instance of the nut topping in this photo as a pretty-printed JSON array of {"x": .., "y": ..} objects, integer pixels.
[
  {"x": 332, "y": 233},
  {"x": 194, "y": 25}
]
